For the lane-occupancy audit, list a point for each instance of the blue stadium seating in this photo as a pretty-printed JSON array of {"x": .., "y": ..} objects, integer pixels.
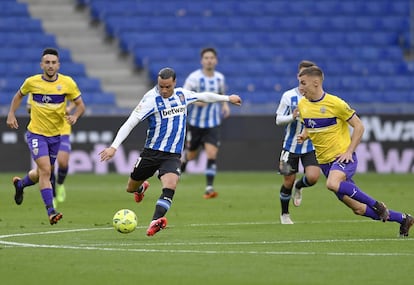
[
  {"x": 29, "y": 54},
  {"x": 28, "y": 68},
  {"x": 20, "y": 24},
  {"x": 260, "y": 43},
  {"x": 22, "y": 39}
]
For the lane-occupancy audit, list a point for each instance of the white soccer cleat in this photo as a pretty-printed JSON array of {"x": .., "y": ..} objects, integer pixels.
[
  {"x": 297, "y": 195},
  {"x": 285, "y": 219}
]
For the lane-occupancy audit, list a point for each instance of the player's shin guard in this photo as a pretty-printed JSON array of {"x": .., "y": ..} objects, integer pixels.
[
  {"x": 47, "y": 196},
  {"x": 211, "y": 171},
  {"x": 163, "y": 203},
  {"x": 285, "y": 195}
]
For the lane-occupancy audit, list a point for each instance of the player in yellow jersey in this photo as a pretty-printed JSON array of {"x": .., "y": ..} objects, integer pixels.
[
  {"x": 65, "y": 147},
  {"x": 50, "y": 91},
  {"x": 327, "y": 119}
]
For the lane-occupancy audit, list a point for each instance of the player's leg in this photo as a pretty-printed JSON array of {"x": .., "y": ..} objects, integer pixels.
[
  {"x": 339, "y": 180},
  {"x": 405, "y": 220},
  {"x": 211, "y": 170},
  {"x": 288, "y": 165},
  {"x": 48, "y": 149},
  {"x": 29, "y": 179},
  {"x": 211, "y": 142},
  {"x": 137, "y": 181},
  {"x": 188, "y": 156},
  {"x": 193, "y": 143},
  {"x": 63, "y": 167},
  {"x": 169, "y": 177},
  {"x": 311, "y": 176},
  {"x": 285, "y": 196}
]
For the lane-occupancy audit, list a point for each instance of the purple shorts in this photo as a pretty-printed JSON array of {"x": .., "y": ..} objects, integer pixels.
[
  {"x": 348, "y": 168},
  {"x": 43, "y": 146},
  {"x": 65, "y": 143}
]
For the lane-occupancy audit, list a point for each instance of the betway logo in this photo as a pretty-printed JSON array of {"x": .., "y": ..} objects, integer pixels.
[
  {"x": 379, "y": 129},
  {"x": 168, "y": 113}
]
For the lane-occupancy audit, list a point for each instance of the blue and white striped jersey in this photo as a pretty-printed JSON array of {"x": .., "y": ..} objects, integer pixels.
[
  {"x": 209, "y": 115},
  {"x": 166, "y": 118},
  {"x": 288, "y": 103}
]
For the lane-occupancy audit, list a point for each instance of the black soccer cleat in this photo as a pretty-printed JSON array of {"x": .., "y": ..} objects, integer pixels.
[
  {"x": 406, "y": 224},
  {"x": 382, "y": 211},
  {"x": 18, "y": 196}
]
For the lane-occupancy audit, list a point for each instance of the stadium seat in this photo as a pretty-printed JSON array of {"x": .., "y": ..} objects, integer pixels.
[
  {"x": 357, "y": 43},
  {"x": 22, "y": 39},
  {"x": 20, "y": 24}
]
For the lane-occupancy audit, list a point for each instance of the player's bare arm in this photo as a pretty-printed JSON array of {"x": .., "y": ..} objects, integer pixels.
[
  {"x": 11, "y": 116},
  {"x": 79, "y": 110},
  {"x": 358, "y": 131}
]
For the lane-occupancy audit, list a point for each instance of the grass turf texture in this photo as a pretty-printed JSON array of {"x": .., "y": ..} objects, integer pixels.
[{"x": 233, "y": 239}]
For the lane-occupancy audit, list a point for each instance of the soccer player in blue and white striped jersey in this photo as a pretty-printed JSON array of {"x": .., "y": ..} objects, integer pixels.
[
  {"x": 204, "y": 119},
  {"x": 292, "y": 151},
  {"x": 165, "y": 108}
]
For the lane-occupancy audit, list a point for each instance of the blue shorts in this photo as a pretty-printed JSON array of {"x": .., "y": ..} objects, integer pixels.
[
  {"x": 65, "y": 143},
  {"x": 43, "y": 146},
  {"x": 348, "y": 168}
]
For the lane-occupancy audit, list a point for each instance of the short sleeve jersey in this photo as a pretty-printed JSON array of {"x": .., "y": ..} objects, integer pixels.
[
  {"x": 209, "y": 115},
  {"x": 48, "y": 103},
  {"x": 326, "y": 123},
  {"x": 67, "y": 128}
]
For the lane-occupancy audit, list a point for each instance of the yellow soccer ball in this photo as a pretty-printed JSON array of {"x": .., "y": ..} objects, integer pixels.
[{"x": 125, "y": 221}]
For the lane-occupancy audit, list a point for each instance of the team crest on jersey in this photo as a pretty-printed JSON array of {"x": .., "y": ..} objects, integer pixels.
[
  {"x": 181, "y": 96},
  {"x": 35, "y": 151},
  {"x": 59, "y": 87},
  {"x": 323, "y": 109}
]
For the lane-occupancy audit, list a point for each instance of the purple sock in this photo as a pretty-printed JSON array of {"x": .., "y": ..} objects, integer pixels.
[
  {"x": 62, "y": 173},
  {"x": 47, "y": 195},
  {"x": 26, "y": 182},
  {"x": 371, "y": 214},
  {"x": 351, "y": 190},
  {"x": 394, "y": 216}
]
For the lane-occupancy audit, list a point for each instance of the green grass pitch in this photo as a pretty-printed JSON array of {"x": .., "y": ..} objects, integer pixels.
[{"x": 233, "y": 239}]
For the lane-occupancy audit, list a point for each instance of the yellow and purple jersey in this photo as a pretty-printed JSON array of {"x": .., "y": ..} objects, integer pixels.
[
  {"x": 48, "y": 103},
  {"x": 326, "y": 124},
  {"x": 66, "y": 129}
]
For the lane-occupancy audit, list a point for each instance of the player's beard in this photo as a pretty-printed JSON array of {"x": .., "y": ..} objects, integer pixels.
[{"x": 50, "y": 74}]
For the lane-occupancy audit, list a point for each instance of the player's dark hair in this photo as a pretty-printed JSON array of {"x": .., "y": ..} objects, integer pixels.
[
  {"x": 208, "y": 49},
  {"x": 305, "y": 64},
  {"x": 312, "y": 71},
  {"x": 166, "y": 73},
  {"x": 51, "y": 51}
]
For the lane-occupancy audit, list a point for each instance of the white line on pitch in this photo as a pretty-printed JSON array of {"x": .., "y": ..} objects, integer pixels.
[{"x": 146, "y": 250}]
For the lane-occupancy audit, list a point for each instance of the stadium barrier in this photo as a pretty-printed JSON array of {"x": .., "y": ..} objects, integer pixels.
[{"x": 249, "y": 143}]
